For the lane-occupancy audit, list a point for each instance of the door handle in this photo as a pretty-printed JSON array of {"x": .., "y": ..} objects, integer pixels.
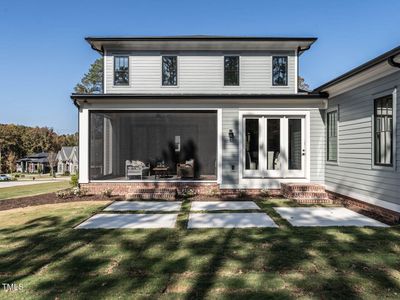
[{"x": 303, "y": 152}]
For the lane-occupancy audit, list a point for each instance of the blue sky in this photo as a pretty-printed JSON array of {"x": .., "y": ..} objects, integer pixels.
[{"x": 43, "y": 54}]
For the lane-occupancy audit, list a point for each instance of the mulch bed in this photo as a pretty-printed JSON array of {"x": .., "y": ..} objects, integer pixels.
[{"x": 50, "y": 198}]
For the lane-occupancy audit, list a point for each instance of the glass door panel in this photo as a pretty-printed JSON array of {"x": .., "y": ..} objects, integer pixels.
[
  {"x": 274, "y": 146},
  {"x": 296, "y": 147},
  {"x": 252, "y": 146}
]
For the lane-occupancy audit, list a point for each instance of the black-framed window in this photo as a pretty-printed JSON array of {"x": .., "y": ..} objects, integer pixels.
[
  {"x": 121, "y": 70},
  {"x": 383, "y": 135},
  {"x": 169, "y": 70},
  {"x": 279, "y": 70},
  {"x": 331, "y": 134},
  {"x": 231, "y": 70}
]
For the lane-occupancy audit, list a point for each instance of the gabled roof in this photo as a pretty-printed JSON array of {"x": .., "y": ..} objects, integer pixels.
[
  {"x": 200, "y": 42},
  {"x": 68, "y": 153},
  {"x": 391, "y": 56}
]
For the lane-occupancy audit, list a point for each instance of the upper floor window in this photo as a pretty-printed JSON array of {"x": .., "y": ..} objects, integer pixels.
[
  {"x": 121, "y": 70},
  {"x": 383, "y": 135},
  {"x": 332, "y": 136},
  {"x": 169, "y": 70},
  {"x": 279, "y": 70},
  {"x": 231, "y": 70}
]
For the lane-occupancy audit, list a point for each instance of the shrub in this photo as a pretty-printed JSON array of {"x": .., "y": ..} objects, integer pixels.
[
  {"x": 187, "y": 192},
  {"x": 107, "y": 193},
  {"x": 63, "y": 194},
  {"x": 264, "y": 193},
  {"x": 74, "y": 180},
  {"x": 66, "y": 173},
  {"x": 214, "y": 193},
  {"x": 72, "y": 192},
  {"x": 16, "y": 175},
  {"x": 242, "y": 194}
]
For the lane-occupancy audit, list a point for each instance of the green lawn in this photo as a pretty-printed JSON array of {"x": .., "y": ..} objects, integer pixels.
[
  {"x": 40, "y": 250},
  {"x": 34, "y": 189}
]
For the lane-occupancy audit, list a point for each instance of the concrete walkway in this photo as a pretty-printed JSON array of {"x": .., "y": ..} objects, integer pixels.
[
  {"x": 145, "y": 206},
  {"x": 132, "y": 221},
  {"x": 325, "y": 216},
  {"x": 230, "y": 220},
  {"x": 222, "y": 205}
]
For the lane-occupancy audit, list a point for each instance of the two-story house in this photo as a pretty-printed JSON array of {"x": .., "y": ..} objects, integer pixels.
[{"x": 210, "y": 112}]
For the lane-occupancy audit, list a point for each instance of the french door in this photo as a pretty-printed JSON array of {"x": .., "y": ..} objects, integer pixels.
[{"x": 274, "y": 146}]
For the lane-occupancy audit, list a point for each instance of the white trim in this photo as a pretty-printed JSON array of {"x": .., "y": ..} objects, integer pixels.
[
  {"x": 392, "y": 168},
  {"x": 296, "y": 71},
  {"x": 219, "y": 145},
  {"x": 104, "y": 72},
  {"x": 153, "y": 181},
  {"x": 368, "y": 199},
  {"x": 329, "y": 110},
  {"x": 256, "y": 182},
  {"x": 84, "y": 145}
]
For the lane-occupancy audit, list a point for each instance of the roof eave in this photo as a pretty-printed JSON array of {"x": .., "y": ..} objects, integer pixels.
[{"x": 387, "y": 56}]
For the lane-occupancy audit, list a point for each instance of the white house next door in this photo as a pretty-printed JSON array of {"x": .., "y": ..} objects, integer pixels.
[{"x": 274, "y": 146}]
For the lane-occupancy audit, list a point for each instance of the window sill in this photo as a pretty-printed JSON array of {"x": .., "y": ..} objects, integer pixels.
[
  {"x": 332, "y": 163},
  {"x": 384, "y": 168}
]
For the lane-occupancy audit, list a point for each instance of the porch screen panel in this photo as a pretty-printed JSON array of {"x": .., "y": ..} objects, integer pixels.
[{"x": 149, "y": 138}]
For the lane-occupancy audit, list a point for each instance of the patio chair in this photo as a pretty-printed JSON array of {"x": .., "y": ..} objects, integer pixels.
[
  {"x": 136, "y": 168},
  {"x": 185, "y": 170}
]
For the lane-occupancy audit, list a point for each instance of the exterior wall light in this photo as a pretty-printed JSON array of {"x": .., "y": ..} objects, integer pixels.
[{"x": 231, "y": 135}]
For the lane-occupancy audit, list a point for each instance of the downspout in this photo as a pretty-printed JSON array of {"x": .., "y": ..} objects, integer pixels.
[{"x": 392, "y": 62}]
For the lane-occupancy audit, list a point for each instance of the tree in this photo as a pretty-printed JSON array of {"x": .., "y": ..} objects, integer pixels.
[
  {"x": 11, "y": 160},
  {"x": 52, "y": 158},
  {"x": 303, "y": 85},
  {"x": 21, "y": 140},
  {"x": 92, "y": 82}
]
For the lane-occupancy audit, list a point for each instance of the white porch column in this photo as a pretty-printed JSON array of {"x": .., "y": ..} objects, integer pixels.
[{"x": 83, "y": 145}]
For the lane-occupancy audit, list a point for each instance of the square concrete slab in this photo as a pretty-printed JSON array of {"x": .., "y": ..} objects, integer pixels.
[
  {"x": 131, "y": 221},
  {"x": 324, "y": 216},
  {"x": 223, "y": 205},
  {"x": 145, "y": 206},
  {"x": 230, "y": 220}
]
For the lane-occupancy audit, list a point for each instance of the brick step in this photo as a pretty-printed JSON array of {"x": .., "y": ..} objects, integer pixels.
[
  {"x": 303, "y": 188},
  {"x": 151, "y": 196},
  {"x": 306, "y": 195},
  {"x": 314, "y": 201}
]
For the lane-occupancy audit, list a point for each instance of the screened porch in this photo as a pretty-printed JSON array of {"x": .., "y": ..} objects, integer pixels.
[{"x": 153, "y": 145}]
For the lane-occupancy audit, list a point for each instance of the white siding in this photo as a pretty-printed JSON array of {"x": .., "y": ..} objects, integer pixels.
[
  {"x": 355, "y": 173},
  {"x": 201, "y": 72}
]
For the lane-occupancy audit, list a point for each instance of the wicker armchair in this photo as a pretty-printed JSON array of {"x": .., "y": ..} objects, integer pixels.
[{"x": 185, "y": 170}]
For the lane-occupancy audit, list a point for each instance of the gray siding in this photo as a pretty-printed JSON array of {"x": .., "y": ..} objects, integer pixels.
[
  {"x": 355, "y": 172},
  {"x": 230, "y": 151},
  {"x": 201, "y": 72},
  {"x": 317, "y": 146}
]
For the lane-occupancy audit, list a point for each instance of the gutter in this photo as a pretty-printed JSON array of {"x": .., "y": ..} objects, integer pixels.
[{"x": 392, "y": 62}]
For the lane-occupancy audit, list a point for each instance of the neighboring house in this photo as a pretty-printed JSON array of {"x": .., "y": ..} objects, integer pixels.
[
  {"x": 67, "y": 160},
  {"x": 227, "y": 113},
  {"x": 35, "y": 163}
]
